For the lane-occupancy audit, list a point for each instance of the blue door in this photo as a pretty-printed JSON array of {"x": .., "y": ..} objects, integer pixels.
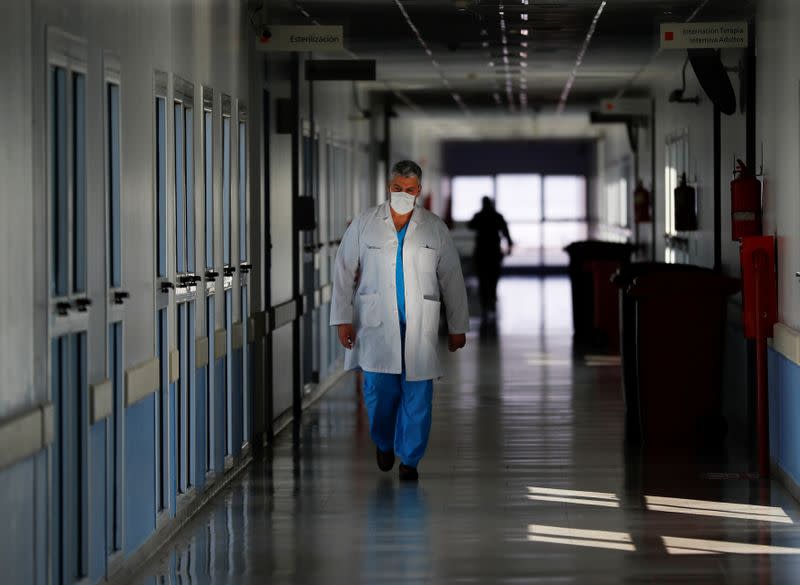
[{"x": 68, "y": 321}]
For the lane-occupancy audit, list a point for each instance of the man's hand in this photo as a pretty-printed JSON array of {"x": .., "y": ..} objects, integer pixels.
[
  {"x": 456, "y": 342},
  {"x": 347, "y": 335}
]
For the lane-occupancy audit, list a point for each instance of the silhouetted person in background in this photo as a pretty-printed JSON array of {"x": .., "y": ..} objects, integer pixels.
[{"x": 489, "y": 226}]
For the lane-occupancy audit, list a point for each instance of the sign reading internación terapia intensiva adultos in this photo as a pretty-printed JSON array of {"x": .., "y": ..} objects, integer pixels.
[
  {"x": 704, "y": 35},
  {"x": 302, "y": 38}
]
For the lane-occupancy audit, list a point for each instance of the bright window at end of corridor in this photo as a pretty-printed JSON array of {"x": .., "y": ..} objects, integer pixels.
[
  {"x": 519, "y": 197},
  {"x": 467, "y": 195},
  {"x": 565, "y": 198}
]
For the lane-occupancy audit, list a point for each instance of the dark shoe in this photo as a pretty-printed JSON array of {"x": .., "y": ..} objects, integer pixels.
[
  {"x": 408, "y": 473},
  {"x": 385, "y": 460}
]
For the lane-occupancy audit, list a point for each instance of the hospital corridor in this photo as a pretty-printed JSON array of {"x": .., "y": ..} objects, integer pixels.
[
  {"x": 369, "y": 292},
  {"x": 525, "y": 481}
]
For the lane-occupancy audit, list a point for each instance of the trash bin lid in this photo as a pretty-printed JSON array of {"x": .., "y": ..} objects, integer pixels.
[
  {"x": 600, "y": 250},
  {"x": 683, "y": 285},
  {"x": 627, "y": 273}
]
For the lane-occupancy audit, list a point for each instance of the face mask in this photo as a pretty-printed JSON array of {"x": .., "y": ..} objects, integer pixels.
[{"x": 402, "y": 203}]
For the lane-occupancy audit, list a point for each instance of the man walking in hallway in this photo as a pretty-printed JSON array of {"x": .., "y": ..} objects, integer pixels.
[
  {"x": 395, "y": 266},
  {"x": 489, "y": 225}
]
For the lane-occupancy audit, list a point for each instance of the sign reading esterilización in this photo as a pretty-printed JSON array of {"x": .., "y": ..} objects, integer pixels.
[
  {"x": 302, "y": 38},
  {"x": 704, "y": 35}
]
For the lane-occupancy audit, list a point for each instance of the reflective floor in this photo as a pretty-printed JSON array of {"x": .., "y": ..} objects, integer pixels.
[{"x": 526, "y": 480}]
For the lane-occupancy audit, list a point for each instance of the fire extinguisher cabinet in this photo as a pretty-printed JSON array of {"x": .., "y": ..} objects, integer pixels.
[
  {"x": 680, "y": 323},
  {"x": 685, "y": 206}
]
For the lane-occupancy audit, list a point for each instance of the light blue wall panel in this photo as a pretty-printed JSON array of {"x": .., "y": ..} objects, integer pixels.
[
  {"x": 784, "y": 391},
  {"x": 172, "y": 449},
  {"x": 219, "y": 414},
  {"x": 199, "y": 430},
  {"x": 17, "y": 509},
  {"x": 237, "y": 392},
  {"x": 97, "y": 502},
  {"x": 140, "y": 477},
  {"x": 774, "y": 364}
]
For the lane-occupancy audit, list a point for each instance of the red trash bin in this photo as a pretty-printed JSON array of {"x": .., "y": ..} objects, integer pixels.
[{"x": 680, "y": 322}]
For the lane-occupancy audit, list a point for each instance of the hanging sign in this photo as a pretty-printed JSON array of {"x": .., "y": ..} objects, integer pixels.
[
  {"x": 626, "y": 106},
  {"x": 704, "y": 35},
  {"x": 302, "y": 38}
]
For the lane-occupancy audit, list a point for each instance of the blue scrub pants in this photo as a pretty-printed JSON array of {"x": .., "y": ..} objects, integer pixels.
[{"x": 399, "y": 414}]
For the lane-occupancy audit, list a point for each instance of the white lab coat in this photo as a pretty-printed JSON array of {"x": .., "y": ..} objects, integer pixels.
[{"x": 432, "y": 273}]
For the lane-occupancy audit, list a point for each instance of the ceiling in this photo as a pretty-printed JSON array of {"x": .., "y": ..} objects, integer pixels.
[{"x": 469, "y": 39}]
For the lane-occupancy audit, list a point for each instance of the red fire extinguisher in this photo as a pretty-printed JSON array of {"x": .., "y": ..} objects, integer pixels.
[
  {"x": 685, "y": 206},
  {"x": 745, "y": 203},
  {"x": 641, "y": 204}
]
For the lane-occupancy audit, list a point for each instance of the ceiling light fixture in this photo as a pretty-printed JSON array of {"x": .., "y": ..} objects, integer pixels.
[
  {"x": 523, "y": 54},
  {"x": 524, "y": 16},
  {"x": 504, "y": 39},
  {"x": 524, "y": 32},
  {"x": 524, "y": 44},
  {"x": 572, "y": 76},
  {"x": 434, "y": 62}
]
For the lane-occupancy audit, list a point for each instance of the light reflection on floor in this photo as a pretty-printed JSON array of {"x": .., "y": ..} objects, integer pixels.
[{"x": 526, "y": 438}]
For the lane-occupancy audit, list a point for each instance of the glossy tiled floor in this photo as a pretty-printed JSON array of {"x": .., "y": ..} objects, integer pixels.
[{"x": 526, "y": 481}]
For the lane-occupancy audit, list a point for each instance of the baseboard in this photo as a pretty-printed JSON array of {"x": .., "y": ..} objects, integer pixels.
[
  {"x": 129, "y": 568},
  {"x": 788, "y": 482}
]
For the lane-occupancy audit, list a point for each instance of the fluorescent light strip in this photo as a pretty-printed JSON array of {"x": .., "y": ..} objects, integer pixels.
[
  {"x": 439, "y": 70},
  {"x": 504, "y": 48},
  {"x": 568, "y": 87}
]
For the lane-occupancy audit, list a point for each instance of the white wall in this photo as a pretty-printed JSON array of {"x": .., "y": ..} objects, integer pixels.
[
  {"x": 699, "y": 120},
  {"x": 16, "y": 213},
  {"x": 779, "y": 131}
]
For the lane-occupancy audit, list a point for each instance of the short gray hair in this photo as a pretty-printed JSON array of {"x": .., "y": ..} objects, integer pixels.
[{"x": 406, "y": 169}]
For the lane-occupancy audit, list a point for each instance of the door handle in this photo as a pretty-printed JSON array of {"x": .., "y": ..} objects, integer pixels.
[
  {"x": 82, "y": 305},
  {"x": 120, "y": 296},
  {"x": 245, "y": 267},
  {"x": 229, "y": 270},
  {"x": 211, "y": 274},
  {"x": 63, "y": 307},
  {"x": 166, "y": 286},
  {"x": 189, "y": 279}
]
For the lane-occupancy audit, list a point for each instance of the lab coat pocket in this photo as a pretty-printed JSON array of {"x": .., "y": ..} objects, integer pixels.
[
  {"x": 428, "y": 258},
  {"x": 430, "y": 316},
  {"x": 368, "y": 312}
]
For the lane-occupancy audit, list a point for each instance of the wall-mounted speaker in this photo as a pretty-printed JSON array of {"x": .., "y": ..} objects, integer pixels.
[{"x": 713, "y": 78}]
